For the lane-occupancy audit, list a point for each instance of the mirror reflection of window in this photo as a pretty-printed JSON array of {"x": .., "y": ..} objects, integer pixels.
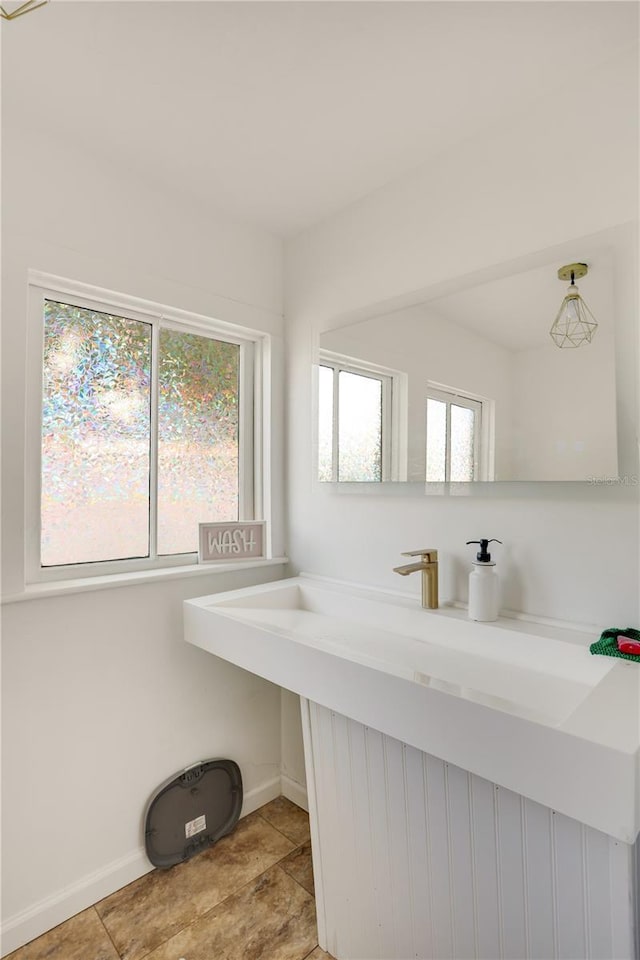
[
  {"x": 436, "y": 440},
  {"x": 454, "y": 431},
  {"x": 325, "y": 423},
  {"x": 352, "y": 436},
  {"x": 463, "y": 438},
  {"x": 359, "y": 427}
]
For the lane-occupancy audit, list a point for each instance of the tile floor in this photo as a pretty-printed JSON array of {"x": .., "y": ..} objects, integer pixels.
[{"x": 249, "y": 897}]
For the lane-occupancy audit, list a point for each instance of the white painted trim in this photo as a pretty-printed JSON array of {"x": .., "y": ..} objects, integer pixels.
[
  {"x": 253, "y": 418},
  {"x": 246, "y": 428},
  {"x": 47, "y": 913},
  {"x": 294, "y": 791},
  {"x": 316, "y": 850},
  {"x": 400, "y": 427},
  {"x": 39, "y": 591},
  {"x": 145, "y": 308},
  {"x": 260, "y": 429},
  {"x": 257, "y": 797},
  {"x": 154, "y": 422},
  {"x": 263, "y": 439}
]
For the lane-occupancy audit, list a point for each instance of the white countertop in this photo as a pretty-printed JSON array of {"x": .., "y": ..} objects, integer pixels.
[{"x": 521, "y": 703}]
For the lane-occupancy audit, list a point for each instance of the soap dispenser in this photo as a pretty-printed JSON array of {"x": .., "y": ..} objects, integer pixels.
[{"x": 484, "y": 586}]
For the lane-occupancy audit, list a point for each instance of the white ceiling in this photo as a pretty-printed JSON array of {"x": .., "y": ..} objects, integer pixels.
[{"x": 282, "y": 113}]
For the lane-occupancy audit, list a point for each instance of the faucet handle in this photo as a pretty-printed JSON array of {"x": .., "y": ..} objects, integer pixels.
[{"x": 428, "y": 554}]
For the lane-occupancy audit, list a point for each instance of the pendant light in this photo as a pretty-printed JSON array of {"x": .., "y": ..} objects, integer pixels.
[
  {"x": 575, "y": 324},
  {"x": 20, "y": 10}
]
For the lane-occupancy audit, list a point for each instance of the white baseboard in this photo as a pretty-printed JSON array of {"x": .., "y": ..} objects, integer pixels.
[
  {"x": 49, "y": 912},
  {"x": 295, "y": 792},
  {"x": 260, "y": 795}
]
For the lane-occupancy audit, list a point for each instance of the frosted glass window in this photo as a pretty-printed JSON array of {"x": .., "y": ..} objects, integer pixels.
[
  {"x": 145, "y": 429},
  {"x": 462, "y": 443},
  {"x": 95, "y": 436},
  {"x": 436, "y": 440},
  {"x": 453, "y": 443},
  {"x": 359, "y": 428},
  {"x": 325, "y": 423},
  {"x": 355, "y": 421},
  {"x": 198, "y": 456}
]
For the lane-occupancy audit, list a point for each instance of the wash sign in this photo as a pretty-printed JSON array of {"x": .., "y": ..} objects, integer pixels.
[{"x": 230, "y": 541}]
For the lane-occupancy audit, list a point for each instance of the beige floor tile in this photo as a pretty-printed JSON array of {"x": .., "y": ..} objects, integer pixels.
[
  {"x": 81, "y": 938},
  {"x": 319, "y": 954},
  {"x": 272, "y": 918},
  {"x": 149, "y": 911},
  {"x": 299, "y": 866},
  {"x": 288, "y": 819}
]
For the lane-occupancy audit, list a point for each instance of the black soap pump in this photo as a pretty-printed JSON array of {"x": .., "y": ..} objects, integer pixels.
[{"x": 484, "y": 585}]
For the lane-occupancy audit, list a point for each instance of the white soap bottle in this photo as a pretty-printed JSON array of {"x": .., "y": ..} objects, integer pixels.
[{"x": 484, "y": 585}]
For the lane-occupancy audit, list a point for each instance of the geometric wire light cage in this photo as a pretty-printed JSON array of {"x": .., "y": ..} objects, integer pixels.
[
  {"x": 23, "y": 8},
  {"x": 574, "y": 324}
]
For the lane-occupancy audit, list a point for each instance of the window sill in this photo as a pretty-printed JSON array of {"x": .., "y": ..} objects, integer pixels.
[{"x": 38, "y": 591}]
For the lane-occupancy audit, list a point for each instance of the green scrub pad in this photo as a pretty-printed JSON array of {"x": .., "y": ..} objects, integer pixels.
[{"x": 607, "y": 645}]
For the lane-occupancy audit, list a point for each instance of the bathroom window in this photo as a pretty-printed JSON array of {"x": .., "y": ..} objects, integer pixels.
[
  {"x": 145, "y": 429},
  {"x": 454, "y": 432},
  {"x": 358, "y": 420}
]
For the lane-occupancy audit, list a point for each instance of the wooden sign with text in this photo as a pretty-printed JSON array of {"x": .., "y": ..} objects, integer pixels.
[{"x": 230, "y": 541}]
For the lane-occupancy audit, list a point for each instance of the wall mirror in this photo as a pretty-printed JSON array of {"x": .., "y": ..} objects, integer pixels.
[{"x": 466, "y": 384}]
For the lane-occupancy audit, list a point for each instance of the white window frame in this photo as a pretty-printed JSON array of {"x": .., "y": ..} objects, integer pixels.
[
  {"x": 253, "y": 375},
  {"x": 394, "y": 421},
  {"x": 483, "y": 446}
]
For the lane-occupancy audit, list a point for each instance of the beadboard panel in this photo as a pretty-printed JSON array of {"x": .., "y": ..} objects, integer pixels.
[{"x": 420, "y": 859}]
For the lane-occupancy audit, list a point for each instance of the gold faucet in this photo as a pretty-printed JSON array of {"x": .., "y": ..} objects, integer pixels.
[{"x": 428, "y": 564}]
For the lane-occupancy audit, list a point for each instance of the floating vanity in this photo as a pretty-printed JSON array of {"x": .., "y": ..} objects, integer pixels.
[{"x": 474, "y": 789}]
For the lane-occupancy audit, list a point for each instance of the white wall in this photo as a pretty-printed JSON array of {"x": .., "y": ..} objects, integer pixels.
[
  {"x": 564, "y": 411},
  {"x": 514, "y": 191},
  {"x": 102, "y": 701},
  {"x": 66, "y": 213},
  {"x": 101, "y": 698}
]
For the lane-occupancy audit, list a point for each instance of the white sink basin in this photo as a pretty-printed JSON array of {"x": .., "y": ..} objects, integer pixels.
[
  {"x": 517, "y": 672},
  {"x": 523, "y": 704}
]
